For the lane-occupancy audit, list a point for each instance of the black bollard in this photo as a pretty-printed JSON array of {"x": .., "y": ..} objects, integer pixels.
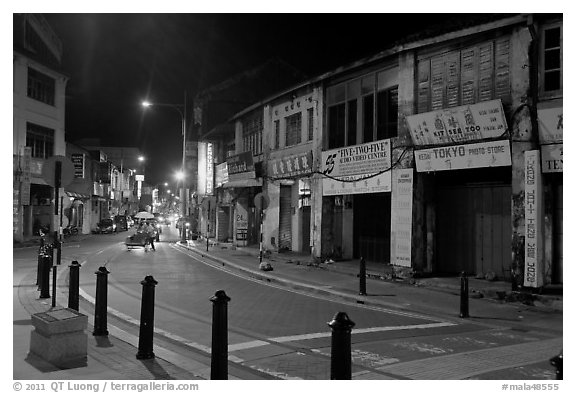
[
  {"x": 341, "y": 353},
  {"x": 557, "y": 362},
  {"x": 464, "y": 296},
  {"x": 54, "y": 277},
  {"x": 45, "y": 277},
  {"x": 74, "y": 286},
  {"x": 219, "y": 363},
  {"x": 40, "y": 255},
  {"x": 362, "y": 277},
  {"x": 101, "y": 306},
  {"x": 146, "y": 337}
]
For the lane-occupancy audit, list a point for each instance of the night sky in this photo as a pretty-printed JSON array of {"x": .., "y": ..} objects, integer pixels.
[{"x": 114, "y": 61}]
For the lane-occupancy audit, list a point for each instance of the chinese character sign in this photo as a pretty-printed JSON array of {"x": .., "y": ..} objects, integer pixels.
[
  {"x": 533, "y": 260},
  {"x": 465, "y": 123}
]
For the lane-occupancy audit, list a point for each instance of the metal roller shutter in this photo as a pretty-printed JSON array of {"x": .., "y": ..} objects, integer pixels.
[{"x": 285, "y": 230}]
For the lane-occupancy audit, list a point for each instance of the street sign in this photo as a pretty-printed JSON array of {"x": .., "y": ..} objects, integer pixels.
[
  {"x": 48, "y": 170},
  {"x": 261, "y": 201}
]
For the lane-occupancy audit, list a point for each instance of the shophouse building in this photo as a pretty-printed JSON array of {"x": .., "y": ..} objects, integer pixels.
[
  {"x": 440, "y": 154},
  {"x": 548, "y": 39},
  {"x": 39, "y": 86},
  {"x": 230, "y": 150},
  {"x": 79, "y": 209}
]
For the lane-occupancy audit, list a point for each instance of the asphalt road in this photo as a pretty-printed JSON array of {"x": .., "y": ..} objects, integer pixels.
[{"x": 284, "y": 333}]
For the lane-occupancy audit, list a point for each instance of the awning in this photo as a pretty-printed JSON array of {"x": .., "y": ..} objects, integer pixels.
[
  {"x": 243, "y": 183},
  {"x": 73, "y": 194}
]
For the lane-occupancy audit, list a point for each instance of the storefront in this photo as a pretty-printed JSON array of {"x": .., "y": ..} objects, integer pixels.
[
  {"x": 357, "y": 202},
  {"x": 288, "y": 223},
  {"x": 467, "y": 188},
  {"x": 238, "y": 197},
  {"x": 550, "y": 126}
]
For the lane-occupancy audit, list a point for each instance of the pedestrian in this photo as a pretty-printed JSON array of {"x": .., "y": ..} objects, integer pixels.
[{"x": 151, "y": 235}]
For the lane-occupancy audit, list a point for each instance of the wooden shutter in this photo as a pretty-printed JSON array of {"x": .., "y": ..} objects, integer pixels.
[
  {"x": 502, "y": 71},
  {"x": 485, "y": 72},
  {"x": 423, "y": 86},
  {"x": 469, "y": 80},
  {"x": 452, "y": 65},
  {"x": 437, "y": 82}
]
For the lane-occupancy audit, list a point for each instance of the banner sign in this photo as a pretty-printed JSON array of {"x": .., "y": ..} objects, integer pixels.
[
  {"x": 552, "y": 158},
  {"x": 241, "y": 166},
  {"x": 533, "y": 210},
  {"x": 209, "y": 168},
  {"x": 484, "y": 120},
  {"x": 221, "y": 174},
  {"x": 25, "y": 177},
  {"x": 291, "y": 166},
  {"x": 372, "y": 157},
  {"x": 379, "y": 183},
  {"x": 550, "y": 125},
  {"x": 78, "y": 161},
  {"x": 401, "y": 220},
  {"x": 475, "y": 155}
]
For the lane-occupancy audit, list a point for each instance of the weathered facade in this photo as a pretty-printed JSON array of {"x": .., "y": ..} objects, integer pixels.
[{"x": 441, "y": 154}]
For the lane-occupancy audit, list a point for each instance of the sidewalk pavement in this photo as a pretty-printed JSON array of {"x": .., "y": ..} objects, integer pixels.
[
  {"x": 109, "y": 357},
  {"x": 295, "y": 269}
]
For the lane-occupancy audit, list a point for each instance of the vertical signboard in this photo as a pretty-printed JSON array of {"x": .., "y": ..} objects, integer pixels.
[
  {"x": 78, "y": 161},
  {"x": 401, "y": 225},
  {"x": 209, "y": 169},
  {"x": 26, "y": 158},
  {"x": 533, "y": 261}
]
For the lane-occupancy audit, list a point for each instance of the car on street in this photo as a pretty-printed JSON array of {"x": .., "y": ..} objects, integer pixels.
[
  {"x": 121, "y": 223},
  {"x": 106, "y": 225}
]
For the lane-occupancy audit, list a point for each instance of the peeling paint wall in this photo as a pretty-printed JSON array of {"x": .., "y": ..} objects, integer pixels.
[{"x": 523, "y": 139}]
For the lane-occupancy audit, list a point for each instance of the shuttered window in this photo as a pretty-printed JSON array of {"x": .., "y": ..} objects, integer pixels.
[
  {"x": 252, "y": 133},
  {"x": 466, "y": 76},
  {"x": 294, "y": 129},
  {"x": 40, "y": 140},
  {"x": 276, "y": 134}
]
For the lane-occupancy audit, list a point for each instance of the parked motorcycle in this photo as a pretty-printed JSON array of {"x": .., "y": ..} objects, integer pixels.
[{"x": 70, "y": 230}]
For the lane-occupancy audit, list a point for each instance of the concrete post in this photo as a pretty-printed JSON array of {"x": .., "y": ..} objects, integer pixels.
[
  {"x": 146, "y": 336},
  {"x": 341, "y": 353},
  {"x": 101, "y": 306},
  {"x": 219, "y": 362}
]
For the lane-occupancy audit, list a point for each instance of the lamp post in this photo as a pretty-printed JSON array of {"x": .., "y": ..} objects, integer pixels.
[{"x": 182, "y": 111}]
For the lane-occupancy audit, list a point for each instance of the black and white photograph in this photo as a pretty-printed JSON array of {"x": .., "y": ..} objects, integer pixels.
[{"x": 305, "y": 193}]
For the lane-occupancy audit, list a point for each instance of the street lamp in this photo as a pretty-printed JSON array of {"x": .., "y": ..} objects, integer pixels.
[{"x": 182, "y": 111}]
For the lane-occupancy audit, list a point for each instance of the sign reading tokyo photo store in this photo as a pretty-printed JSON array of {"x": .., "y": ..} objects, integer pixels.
[
  {"x": 356, "y": 165},
  {"x": 475, "y": 155}
]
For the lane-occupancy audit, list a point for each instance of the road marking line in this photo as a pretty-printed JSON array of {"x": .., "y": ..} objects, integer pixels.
[{"x": 311, "y": 336}]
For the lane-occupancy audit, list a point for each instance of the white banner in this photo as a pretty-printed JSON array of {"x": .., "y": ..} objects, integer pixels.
[
  {"x": 465, "y": 123},
  {"x": 533, "y": 259},
  {"x": 550, "y": 125},
  {"x": 401, "y": 220},
  {"x": 379, "y": 183},
  {"x": 372, "y": 157},
  {"x": 475, "y": 155}
]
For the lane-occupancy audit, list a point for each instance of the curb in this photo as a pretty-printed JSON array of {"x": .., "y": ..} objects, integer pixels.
[{"x": 542, "y": 303}]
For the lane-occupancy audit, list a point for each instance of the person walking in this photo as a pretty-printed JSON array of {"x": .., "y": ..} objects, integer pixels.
[{"x": 151, "y": 235}]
